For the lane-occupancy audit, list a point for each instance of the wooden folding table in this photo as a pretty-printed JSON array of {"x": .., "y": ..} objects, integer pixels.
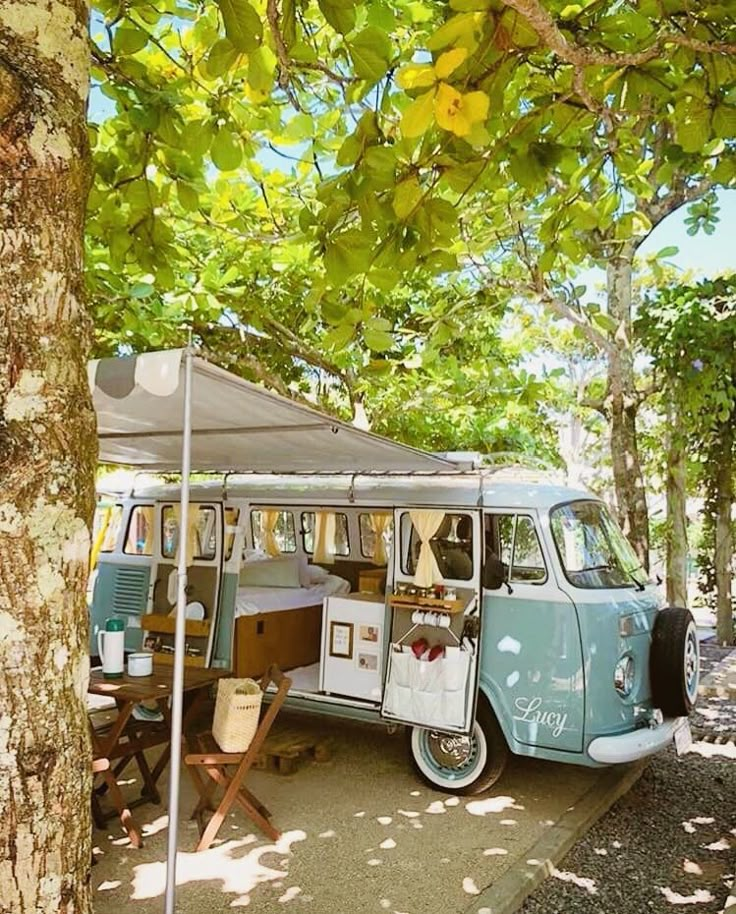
[{"x": 128, "y": 738}]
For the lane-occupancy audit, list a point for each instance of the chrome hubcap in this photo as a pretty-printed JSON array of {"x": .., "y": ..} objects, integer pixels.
[{"x": 449, "y": 751}]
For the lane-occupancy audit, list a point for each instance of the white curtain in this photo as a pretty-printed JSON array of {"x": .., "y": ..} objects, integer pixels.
[
  {"x": 426, "y": 523},
  {"x": 269, "y": 519},
  {"x": 324, "y": 537},
  {"x": 380, "y": 523}
]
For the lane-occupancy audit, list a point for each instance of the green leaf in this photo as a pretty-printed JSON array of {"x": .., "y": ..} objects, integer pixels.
[
  {"x": 348, "y": 255},
  {"x": 349, "y": 152},
  {"x": 371, "y": 52},
  {"x": 339, "y": 337},
  {"x": 384, "y": 279},
  {"x": 221, "y": 57},
  {"x": 339, "y": 13},
  {"x": 669, "y": 251},
  {"x": 261, "y": 67},
  {"x": 724, "y": 122},
  {"x": 188, "y": 196},
  {"x": 128, "y": 39},
  {"x": 243, "y": 25},
  {"x": 520, "y": 33},
  {"x": 226, "y": 150},
  {"x": 692, "y": 125},
  {"x": 378, "y": 340}
]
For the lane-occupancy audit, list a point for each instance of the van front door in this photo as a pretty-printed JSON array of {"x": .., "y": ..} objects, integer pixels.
[
  {"x": 531, "y": 659},
  {"x": 432, "y": 667}
]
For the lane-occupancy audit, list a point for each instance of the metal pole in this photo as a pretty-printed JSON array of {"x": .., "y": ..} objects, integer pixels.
[{"x": 179, "y": 643}]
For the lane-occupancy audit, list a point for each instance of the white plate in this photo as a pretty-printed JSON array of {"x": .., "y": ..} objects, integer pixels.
[
  {"x": 683, "y": 737},
  {"x": 195, "y": 611}
]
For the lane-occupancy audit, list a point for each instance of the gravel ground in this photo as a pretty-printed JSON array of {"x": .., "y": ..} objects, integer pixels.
[{"x": 670, "y": 842}]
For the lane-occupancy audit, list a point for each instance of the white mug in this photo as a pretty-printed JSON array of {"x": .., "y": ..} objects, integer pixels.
[{"x": 140, "y": 664}]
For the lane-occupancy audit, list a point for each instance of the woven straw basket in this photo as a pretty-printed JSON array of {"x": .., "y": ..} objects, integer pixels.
[{"x": 237, "y": 708}]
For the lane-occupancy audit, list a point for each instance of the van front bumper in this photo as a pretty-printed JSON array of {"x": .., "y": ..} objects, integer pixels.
[{"x": 636, "y": 744}]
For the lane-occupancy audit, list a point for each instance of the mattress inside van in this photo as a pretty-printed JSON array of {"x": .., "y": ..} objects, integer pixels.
[{"x": 250, "y": 601}]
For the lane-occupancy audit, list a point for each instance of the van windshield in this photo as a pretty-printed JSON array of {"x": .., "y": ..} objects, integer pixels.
[{"x": 593, "y": 550}]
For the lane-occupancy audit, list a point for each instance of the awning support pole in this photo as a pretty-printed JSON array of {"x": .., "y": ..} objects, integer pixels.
[{"x": 179, "y": 642}]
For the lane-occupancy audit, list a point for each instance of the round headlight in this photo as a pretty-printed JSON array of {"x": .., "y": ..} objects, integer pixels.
[{"x": 623, "y": 675}]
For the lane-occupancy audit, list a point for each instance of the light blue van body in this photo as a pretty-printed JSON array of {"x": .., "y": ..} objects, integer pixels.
[{"x": 546, "y": 649}]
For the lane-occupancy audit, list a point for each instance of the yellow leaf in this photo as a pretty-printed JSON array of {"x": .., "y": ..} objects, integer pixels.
[
  {"x": 449, "y": 61},
  {"x": 458, "y": 113},
  {"x": 418, "y": 116},
  {"x": 416, "y": 76},
  {"x": 406, "y": 197}
]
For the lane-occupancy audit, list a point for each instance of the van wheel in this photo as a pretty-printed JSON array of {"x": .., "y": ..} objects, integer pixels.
[
  {"x": 674, "y": 661},
  {"x": 463, "y": 765}
]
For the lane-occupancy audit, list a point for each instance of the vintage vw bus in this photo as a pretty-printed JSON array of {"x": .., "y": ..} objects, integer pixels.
[{"x": 488, "y": 611}]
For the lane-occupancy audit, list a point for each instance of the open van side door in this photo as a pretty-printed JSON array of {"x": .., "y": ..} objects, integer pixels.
[
  {"x": 438, "y": 693},
  {"x": 203, "y": 580}
]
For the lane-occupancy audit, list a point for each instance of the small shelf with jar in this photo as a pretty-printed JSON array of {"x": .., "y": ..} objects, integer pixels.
[{"x": 438, "y": 604}]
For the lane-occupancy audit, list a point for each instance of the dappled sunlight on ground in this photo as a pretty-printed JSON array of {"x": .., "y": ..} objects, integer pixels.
[
  {"x": 584, "y": 883},
  {"x": 238, "y": 873},
  {"x": 699, "y": 896}
]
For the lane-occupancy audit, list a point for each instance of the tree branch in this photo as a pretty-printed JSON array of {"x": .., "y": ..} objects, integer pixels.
[{"x": 546, "y": 27}]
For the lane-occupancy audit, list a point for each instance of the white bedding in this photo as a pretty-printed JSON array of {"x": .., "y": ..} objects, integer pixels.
[{"x": 250, "y": 601}]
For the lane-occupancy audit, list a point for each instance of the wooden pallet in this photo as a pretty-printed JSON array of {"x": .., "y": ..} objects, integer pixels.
[{"x": 285, "y": 750}]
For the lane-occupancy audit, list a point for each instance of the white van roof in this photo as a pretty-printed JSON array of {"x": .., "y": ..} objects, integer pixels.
[{"x": 463, "y": 489}]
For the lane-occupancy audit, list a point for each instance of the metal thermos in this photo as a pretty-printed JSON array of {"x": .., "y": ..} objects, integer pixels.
[{"x": 111, "y": 647}]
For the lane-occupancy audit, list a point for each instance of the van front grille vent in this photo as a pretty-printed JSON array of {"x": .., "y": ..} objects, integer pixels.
[{"x": 129, "y": 592}]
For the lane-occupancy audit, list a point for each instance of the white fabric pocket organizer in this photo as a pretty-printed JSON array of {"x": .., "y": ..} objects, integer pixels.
[{"x": 428, "y": 692}]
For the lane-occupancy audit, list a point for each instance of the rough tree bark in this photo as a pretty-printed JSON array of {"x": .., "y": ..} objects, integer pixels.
[
  {"x": 623, "y": 404},
  {"x": 724, "y": 536},
  {"x": 47, "y": 459},
  {"x": 676, "y": 513}
]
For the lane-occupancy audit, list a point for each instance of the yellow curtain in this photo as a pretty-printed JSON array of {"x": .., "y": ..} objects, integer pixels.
[
  {"x": 191, "y": 538},
  {"x": 380, "y": 523},
  {"x": 324, "y": 536},
  {"x": 147, "y": 516},
  {"x": 100, "y": 538},
  {"x": 426, "y": 523},
  {"x": 269, "y": 519}
]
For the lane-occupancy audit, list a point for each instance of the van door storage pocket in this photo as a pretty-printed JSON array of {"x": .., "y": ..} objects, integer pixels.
[{"x": 428, "y": 692}]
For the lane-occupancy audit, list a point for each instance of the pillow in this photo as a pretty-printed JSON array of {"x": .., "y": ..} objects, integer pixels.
[
  {"x": 282, "y": 571},
  {"x": 316, "y": 574}
]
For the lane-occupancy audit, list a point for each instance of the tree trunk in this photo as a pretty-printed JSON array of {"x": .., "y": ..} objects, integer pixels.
[
  {"x": 623, "y": 405},
  {"x": 47, "y": 460},
  {"x": 724, "y": 534},
  {"x": 676, "y": 513}
]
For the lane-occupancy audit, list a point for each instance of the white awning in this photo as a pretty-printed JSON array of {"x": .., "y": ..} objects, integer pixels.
[{"x": 236, "y": 425}]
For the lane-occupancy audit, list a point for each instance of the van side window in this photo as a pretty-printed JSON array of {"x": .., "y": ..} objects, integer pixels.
[
  {"x": 502, "y": 533},
  {"x": 452, "y": 546},
  {"x": 342, "y": 539},
  {"x": 265, "y": 523},
  {"x": 371, "y": 526},
  {"x": 205, "y": 545},
  {"x": 107, "y": 525},
  {"x": 139, "y": 536}
]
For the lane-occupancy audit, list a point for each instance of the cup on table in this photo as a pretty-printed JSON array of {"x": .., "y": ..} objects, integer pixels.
[{"x": 140, "y": 664}]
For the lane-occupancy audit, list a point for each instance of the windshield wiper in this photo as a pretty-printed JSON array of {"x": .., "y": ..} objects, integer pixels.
[{"x": 608, "y": 566}]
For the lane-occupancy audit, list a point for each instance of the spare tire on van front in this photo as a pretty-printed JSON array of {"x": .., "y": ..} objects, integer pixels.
[{"x": 674, "y": 661}]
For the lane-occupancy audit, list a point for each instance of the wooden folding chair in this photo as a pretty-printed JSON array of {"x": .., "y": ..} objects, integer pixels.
[{"x": 216, "y": 763}]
